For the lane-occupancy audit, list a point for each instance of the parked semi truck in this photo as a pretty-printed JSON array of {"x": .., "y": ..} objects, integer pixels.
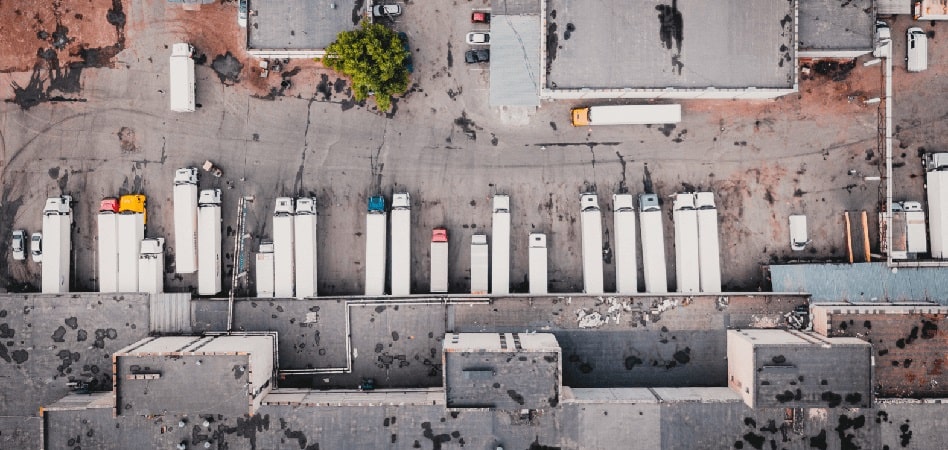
[
  {"x": 538, "y": 260},
  {"x": 185, "y": 219},
  {"x": 439, "y": 260},
  {"x": 284, "y": 249},
  {"x": 107, "y": 253},
  {"x": 151, "y": 266},
  {"x": 937, "y": 185},
  {"x": 131, "y": 232},
  {"x": 653, "y": 244},
  {"x": 305, "y": 230},
  {"x": 375, "y": 242},
  {"x": 627, "y": 271},
  {"x": 709, "y": 247},
  {"x": 626, "y": 115},
  {"x": 591, "y": 220},
  {"x": 401, "y": 244},
  {"x": 181, "y": 90},
  {"x": 209, "y": 242},
  {"x": 264, "y": 270},
  {"x": 686, "y": 243},
  {"x": 500, "y": 240},
  {"x": 57, "y": 245},
  {"x": 479, "y": 264}
]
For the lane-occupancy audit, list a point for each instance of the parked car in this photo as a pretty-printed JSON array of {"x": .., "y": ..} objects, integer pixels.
[
  {"x": 798, "y": 234},
  {"x": 408, "y": 62},
  {"x": 18, "y": 245},
  {"x": 386, "y": 10},
  {"x": 478, "y": 38},
  {"x": 480, "y": 17},
  {"x": 36, "y": 247},
  {"x": 242, "y": 13},
  {"x": 476, "y": 56}
]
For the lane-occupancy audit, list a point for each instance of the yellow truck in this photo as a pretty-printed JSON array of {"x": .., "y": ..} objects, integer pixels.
[
  {"x": 626, "y": 115},
  {"x": 133, "y": 204}
]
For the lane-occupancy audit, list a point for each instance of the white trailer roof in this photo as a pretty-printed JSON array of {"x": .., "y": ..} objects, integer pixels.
[
  {"x": 108, "y": 252},
  {"x": 591, "y": 221},
  {"x": 401, "y": 245},
  {"x": 57, "y": 244},
  {"x": 306, "y": 270},
  {"x": 375, "y": 253},
  {"x": 625, "y": 242},
  {"x": 653, "y": 251},
  {"x": 131, "y": 231},
  {"x": 209, "y": 249},
  {"x": 284, "y": 269},
  {"x": 709, "y": 250},
  {"x": 686, "y": 247}
]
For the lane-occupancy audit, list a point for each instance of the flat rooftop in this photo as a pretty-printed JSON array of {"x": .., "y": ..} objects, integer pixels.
[
  {"x": 299, "y": 24},
  {"x": 648, "y": 44},
  {"x": 862, "y": 282},
  {"x": 500, "y": 342},
  {"x": 828, "y": 25}
]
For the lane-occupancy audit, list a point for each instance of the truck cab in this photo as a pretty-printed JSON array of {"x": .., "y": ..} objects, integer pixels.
[
  {"x": 305, "y": 206},
  {"x": 589, "y": 202},
  {"x": 936, "y": 162},
  {"x": 649, "y": 202},
  {"x": 109, "y": 205},
  {"x": 439, "y": 235},
  {"x": 401, "y": 200},
  {"x": 58, "y": 205},
  {"x": 376, "y": 204},
  {"x": 209, "y": 197},
  {"x": 133, "y": 204},
  {"x": 186, "y": 175},
  {"x": 501, "y": 204},
  {"x": 284, "y": 206},
  {"x": 684, "y": 202},
  {"x": 704, "y": 200}
]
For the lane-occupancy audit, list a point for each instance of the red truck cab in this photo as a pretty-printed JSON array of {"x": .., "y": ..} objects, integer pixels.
[
  {"x": 109, "y": 205},
  {"x": 439, "y": 235}
]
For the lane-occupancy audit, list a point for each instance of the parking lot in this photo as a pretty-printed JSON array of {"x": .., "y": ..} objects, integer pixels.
[{"x": 443, "y": 143}]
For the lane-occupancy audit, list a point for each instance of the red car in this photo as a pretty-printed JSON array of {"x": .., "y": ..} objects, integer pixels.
[{"x": 480, "y": 17}]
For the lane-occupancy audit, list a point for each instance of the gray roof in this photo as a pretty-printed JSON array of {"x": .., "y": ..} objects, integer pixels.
[
  {"x": 515, "y": 60},
  {"x": 864, "y": 282},
  {"x": 648, "y": 45},
  {"x": 514, "y": 7},
  {"x": 834, "y": 25},
  {"x": 299, "y": 24}
]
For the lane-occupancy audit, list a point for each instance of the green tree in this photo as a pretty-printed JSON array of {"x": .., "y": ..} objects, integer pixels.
[{"x": 374, "y": 58}]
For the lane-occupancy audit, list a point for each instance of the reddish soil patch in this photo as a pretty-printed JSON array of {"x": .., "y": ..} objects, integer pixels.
[{"x": 60, "y": 33}]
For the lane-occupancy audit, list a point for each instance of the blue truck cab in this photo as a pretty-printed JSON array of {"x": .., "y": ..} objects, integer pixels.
[{"x": 376, "y": 204}]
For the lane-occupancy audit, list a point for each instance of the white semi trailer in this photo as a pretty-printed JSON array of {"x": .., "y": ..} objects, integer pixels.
[
  {"x": 439, "y": 261},
  {"x": 375, "y": 246},
  {"x": 264, "y": 268},
  {"x": 538, "y": 260},
  {"x": 151, "y": 266},
  {"x": 57, "y": 245},
  {"x": 500, "y": 240},
  {"x": 131, "y": 232},
  {"x": 591, "y": 220},
  {"x": 185, "y": 219},
  {"x": 401, "y": 244},
  {"x": 181, "y": 77},
  {"x": 107, "y": 253},
  {"x": 653, "y": 244},
  {"x": 284, "y": 269},
  {"x": 305, "y": 230},
  {"x": 686, "y": 243},
  {"x": 480, "y": 261},
  {"x": 209, "y": 242},
  {"x": 627, "y": 271},
  {"x": 709, "y": 247},
  {"x": 937, "y": 186}
]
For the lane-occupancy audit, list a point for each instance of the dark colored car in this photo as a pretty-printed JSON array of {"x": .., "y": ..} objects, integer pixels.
[
  {"x": 476, "y": 56},
  {"x": 408, "y": 62},
  {"x": 480, "y": 17}
]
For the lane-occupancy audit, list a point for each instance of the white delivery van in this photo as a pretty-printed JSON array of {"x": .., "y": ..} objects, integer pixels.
[
  {"x": 916, "y": 56},
  {"x": 798, "y": 234}
]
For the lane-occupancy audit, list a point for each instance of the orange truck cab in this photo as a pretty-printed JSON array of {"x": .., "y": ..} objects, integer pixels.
[{"x": 133, "y": 204}]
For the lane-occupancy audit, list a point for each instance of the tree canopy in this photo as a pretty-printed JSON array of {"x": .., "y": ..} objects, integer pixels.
[{"x": 375, "y": 58}]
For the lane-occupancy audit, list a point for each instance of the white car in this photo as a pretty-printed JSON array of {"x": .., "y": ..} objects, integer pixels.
[
  {"x": 478, "y": 38},
  {"x": 36, "y": 247},
  {"x": 386, "y": 10},
  {"x": 18, "y": 245}
]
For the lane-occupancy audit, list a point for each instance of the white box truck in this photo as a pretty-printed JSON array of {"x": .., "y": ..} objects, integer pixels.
[
  {"x": 151, "y": 266},
  {"x": 479, "y": 265},
  {"x": 709, "y": 247},
  {"x": 401, "y": 244},
  {"x": 209, "y": 242},
  {"x": 591, "y": 221},
  {"x": 375, "y": 246},
  {"x": 937, "y": 186},
  {"x": 264, "y": 270},
  {"x": 653, "y": 244},
  {"x": 57, "y": 245},
  {"x": 500, "y": 241},
  {"x": 627, "y": 270},
  {"x": 181, "y": 90},
  {"x": 538, "y": 259},
  {"x": 626, "y": 115},
  {"x": 284, "y": 235},
  {"x": 686, "y": 243},
  {"x": 439, "y": 260},
  {"x": 305, "y": 230},
  {"x": 131, "y": 232},
  {"x": 916, "y": 238},
  {"x": 185, "y": 219},
  {"x": 107, "y": 253}
]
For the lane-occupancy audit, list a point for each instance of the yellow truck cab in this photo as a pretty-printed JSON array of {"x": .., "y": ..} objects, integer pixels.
[{"x": 133, "y": 203}]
